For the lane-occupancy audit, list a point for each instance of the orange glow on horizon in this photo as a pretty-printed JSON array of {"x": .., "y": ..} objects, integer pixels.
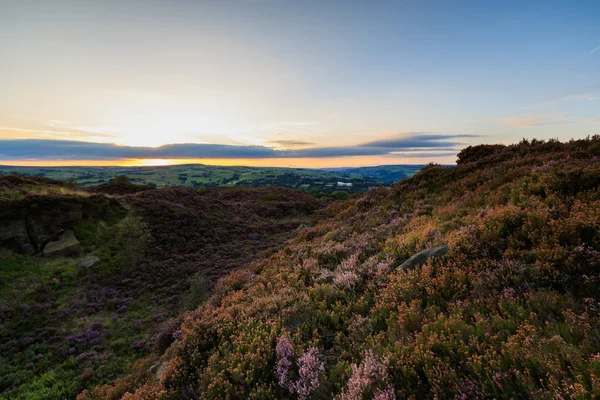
[{"x": 261, "y": 162}]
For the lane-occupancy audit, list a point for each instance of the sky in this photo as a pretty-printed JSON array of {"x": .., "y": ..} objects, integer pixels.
[{"x": 291, "y": 82}]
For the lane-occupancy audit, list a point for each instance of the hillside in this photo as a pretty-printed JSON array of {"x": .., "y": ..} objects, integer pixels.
[
  {"x": 509, "y": 309},
  {"x": 75, "y": 314},
  {"x": 383, "y": 173},
  {"x": 197, "y": 175}
]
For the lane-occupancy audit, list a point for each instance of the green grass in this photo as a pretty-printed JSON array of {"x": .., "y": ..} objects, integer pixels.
[
  {"x": 198, "y": 175},
  {"x": 22, "y": 273}
]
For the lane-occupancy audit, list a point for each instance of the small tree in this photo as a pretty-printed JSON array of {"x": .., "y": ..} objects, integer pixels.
[
  {"x": 197, "y": 293},
  {"x": 120, "y": 179},
  {"x": 71, "y": 183},
  {"x": 340, "y": 195}
]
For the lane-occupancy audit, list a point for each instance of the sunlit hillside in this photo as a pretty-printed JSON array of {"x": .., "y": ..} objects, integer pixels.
[{"x": 503, "y": 303}]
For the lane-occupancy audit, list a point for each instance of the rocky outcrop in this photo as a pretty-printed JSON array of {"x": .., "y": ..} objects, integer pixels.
[
  {"x": 89, "y": 262},
  {"x": 30, "y": 221},
  {"x": 421, "y": 258},
  {"x": 65, "y": 243}
]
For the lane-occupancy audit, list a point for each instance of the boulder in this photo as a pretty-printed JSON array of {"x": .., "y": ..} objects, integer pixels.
[
  {"x": 14, "y": 235},
  {"x": 65, "y": 243},
  {"x": 89, "y": 262},
  {"x": 421, "y": 258}
]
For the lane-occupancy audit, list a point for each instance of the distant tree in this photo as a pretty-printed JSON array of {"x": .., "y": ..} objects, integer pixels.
[
  {"x": 72, "y": 182},
  {"x": 340, "y": 195},
  {"x": 120, "y": 179}
]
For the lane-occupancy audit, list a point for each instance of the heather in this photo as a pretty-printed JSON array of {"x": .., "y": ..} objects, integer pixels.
[
  {"x": 64, "y": 326},
  {"x": 511, "y": 311}
]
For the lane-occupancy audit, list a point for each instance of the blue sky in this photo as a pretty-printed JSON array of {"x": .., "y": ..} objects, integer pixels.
[{"x": 296, "y": 76}]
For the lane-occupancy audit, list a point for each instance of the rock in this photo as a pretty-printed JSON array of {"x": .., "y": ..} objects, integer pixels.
[
  {"x": 27, "y": 223},
  {"x": 422, "y": 257},
  {"x": 14, "y": 236},
  {"x": 159, "y": 371},
  {"x": 65, "y": 243},
  {"x": 89, "y": 262}
]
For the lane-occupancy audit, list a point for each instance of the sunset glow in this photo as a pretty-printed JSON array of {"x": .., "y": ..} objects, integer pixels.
[
  {"x": 290, "y": 75},
  {"x": 291, "y": 163}
]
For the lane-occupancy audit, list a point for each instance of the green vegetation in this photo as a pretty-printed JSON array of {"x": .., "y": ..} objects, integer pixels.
[
  {"x": 51, "y": 345},
  {"x": 383, "y": 173},
  {"x": 307, "y": 180},
  {"x": 197, "y": 293},
  {"x": 73, "y": 322}
]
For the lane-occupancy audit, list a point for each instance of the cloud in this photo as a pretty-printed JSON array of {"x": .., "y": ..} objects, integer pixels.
[
  {"x": 591, "y": 121},
  {"x": 418, "y": 140},
  {"x": 289, "y": 143},
  {"x": 51, "y": 132},
  {"x": 286, "y": 127},
  {"x": 590, "y": 92},
  {"x": 407, "y": 145},
  {"x": 531, "y": 121},
  {"x": 595, "y": 49}
]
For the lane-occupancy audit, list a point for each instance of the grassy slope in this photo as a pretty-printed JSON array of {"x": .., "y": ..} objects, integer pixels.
[
  {"x": 385, "y": 173},
  {"x": 64, "y": 328},
  {"x": 511, "y": 312}
]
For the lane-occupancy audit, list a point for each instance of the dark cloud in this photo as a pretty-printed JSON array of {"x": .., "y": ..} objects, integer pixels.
[
  {"x": 62, "y": 149},
  {"x": 418, "y": 140},
  {"x": 408, "y": 145}
]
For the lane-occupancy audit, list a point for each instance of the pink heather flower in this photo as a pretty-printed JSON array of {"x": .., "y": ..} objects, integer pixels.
[
  {"x": 369, "y": 378},
  {"x": 346, "y": 279},
  {"x": 284, "y": 351},
  {"x": 385, "y": 394},
  {"x": 310, "y": 370}
]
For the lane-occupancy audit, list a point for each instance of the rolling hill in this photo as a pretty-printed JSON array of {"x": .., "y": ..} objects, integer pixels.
[{"x": 197, "y": 175}]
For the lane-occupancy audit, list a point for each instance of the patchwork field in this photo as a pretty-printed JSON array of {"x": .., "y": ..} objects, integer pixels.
[{"x": 197, "y": 175}]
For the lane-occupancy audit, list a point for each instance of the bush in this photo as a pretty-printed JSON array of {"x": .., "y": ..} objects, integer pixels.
[
  {"x": 340, "y": 195},
  {"x": 197, "y": 293}
]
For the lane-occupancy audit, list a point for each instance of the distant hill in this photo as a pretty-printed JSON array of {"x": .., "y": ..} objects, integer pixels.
[
  {"x": 384, "y": 173},
  {"x": 198, "y": 175}
]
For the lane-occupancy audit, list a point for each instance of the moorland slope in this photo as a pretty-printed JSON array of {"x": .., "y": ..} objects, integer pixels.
[
  {"x": 509, "y": 310},
  {"x": 75, "y": 313}
]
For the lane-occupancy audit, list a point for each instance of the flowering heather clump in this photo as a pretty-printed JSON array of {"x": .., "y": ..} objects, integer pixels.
[
  {"x": 346, "y": 279},
  {"x": 310, "y": 368},
  {"x": 369, "y": 380},
  {"x": 285, "y": 352},
  {"x": 309, "y": 372}
]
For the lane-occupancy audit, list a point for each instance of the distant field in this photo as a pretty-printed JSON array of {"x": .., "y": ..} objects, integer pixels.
[{"x": 197, "y": 175}]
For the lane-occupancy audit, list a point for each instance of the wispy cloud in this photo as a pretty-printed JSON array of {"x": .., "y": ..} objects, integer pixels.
[
  {"x": 418, "y": 139},
  {"x": 289, "y": 144},
  {"x": 595, "y": 49},
  {"x": 51, "y": 132},
  {"x": 531, "y": 121},
  {"x": 591, "y": 121},
  {"x": 282, "y": 127},
  {"x": 590, "y": 92}
]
